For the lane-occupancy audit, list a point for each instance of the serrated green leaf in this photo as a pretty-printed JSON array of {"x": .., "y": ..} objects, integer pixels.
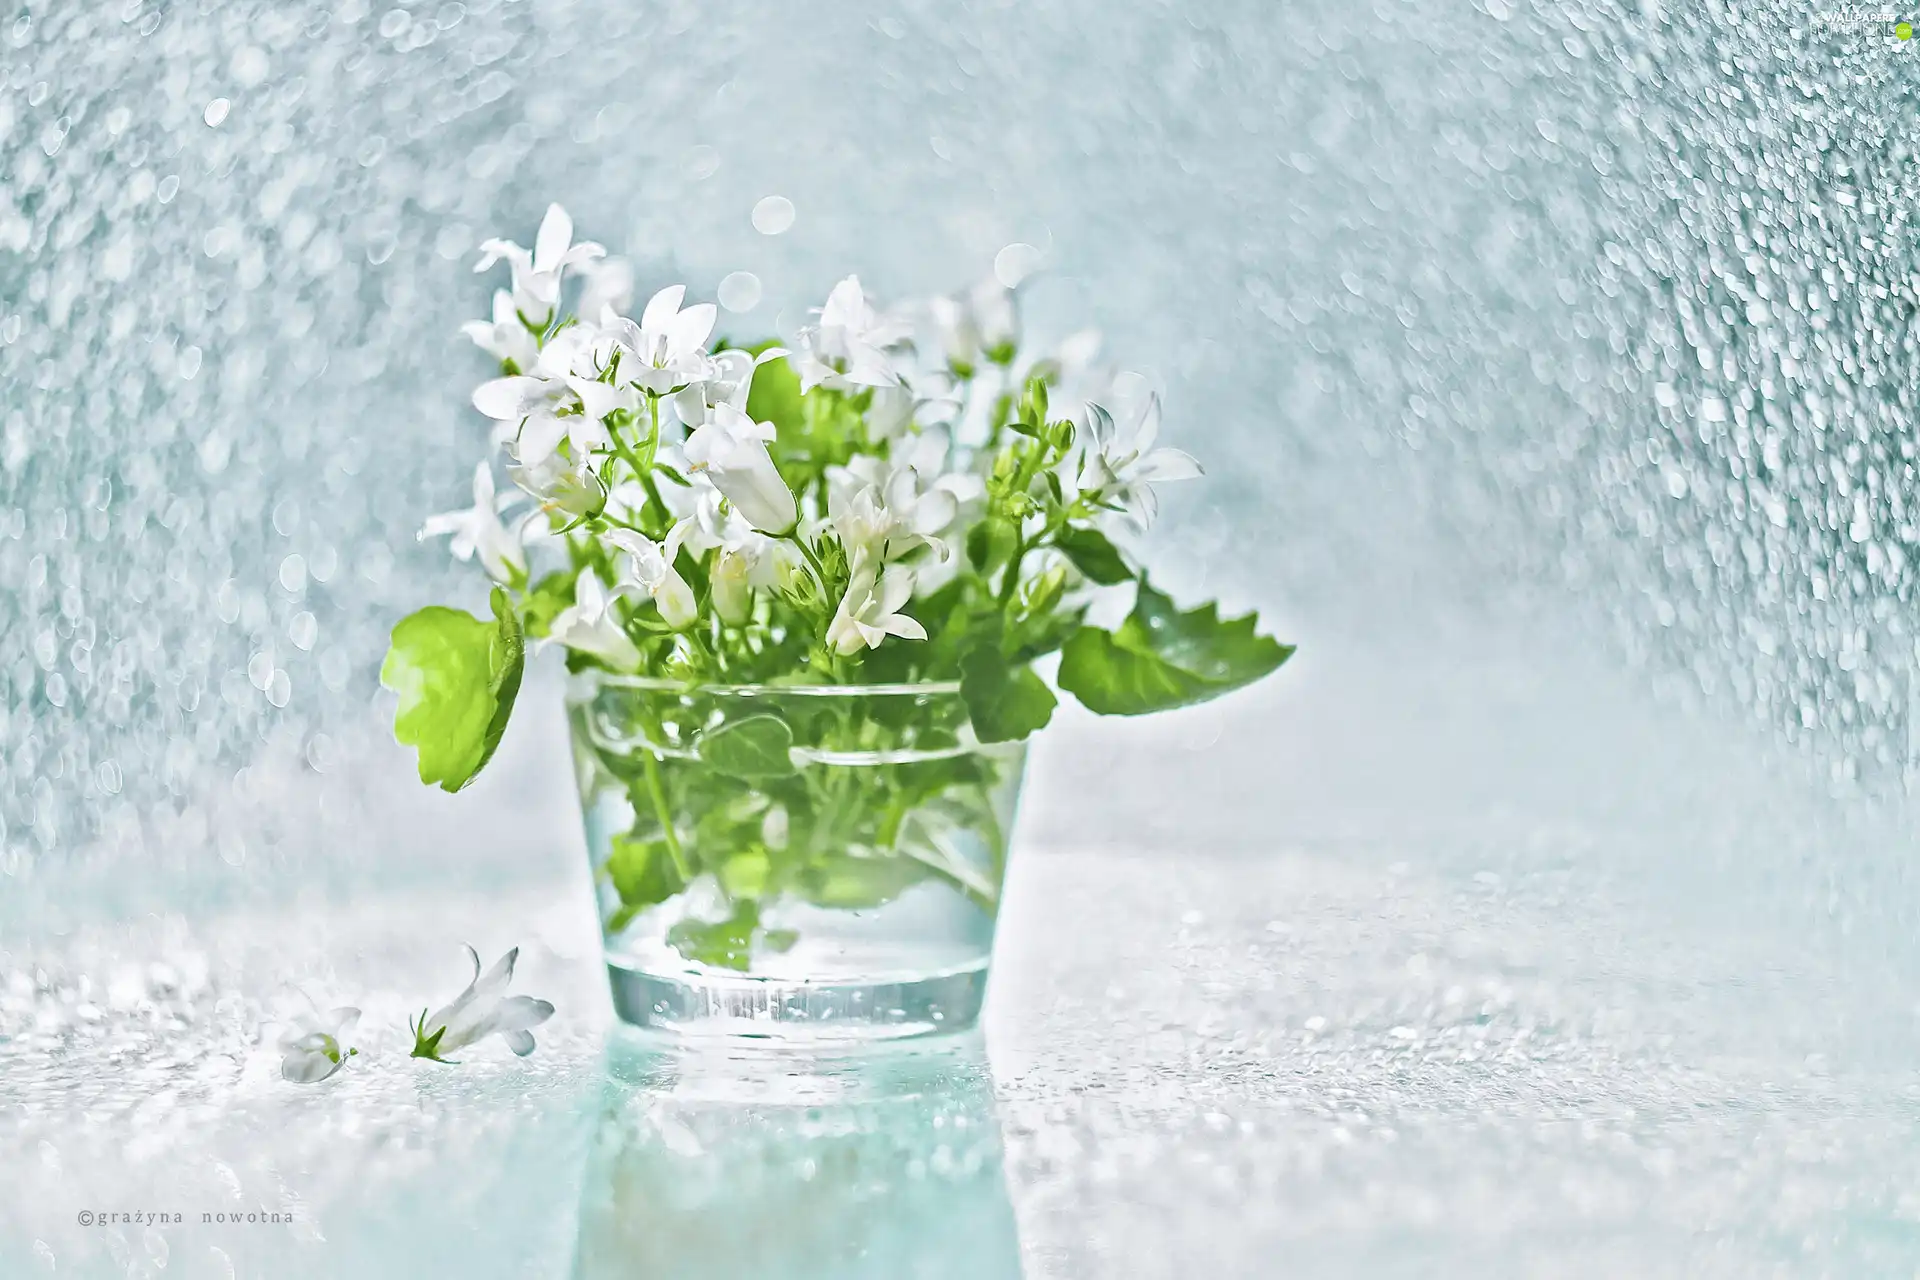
[
  {"x": 1160, "y": 658},
  {"x": 756, "y": 747},
  {"x": 1005, "y": 703},
  {"x": 457, "y": 677},
  {"x": 1094, "y": 555}
]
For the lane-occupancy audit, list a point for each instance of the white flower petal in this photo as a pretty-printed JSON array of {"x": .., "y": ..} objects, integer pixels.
[
  {"x": 550, "y": 245},
  {"x": 661, "y": 308},
  {"x": 1163, "y": 465},
  {"x": 517, "y": 1013},
  {"x": 508, "y": 399},
  {"x": 539, "y": 436}
]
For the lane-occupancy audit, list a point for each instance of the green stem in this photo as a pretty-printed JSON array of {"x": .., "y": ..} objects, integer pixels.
[
  {"x": 650, "y": 764},
  {"x": 1011, "y": 582},
  {"x": 813, "y": 561}
]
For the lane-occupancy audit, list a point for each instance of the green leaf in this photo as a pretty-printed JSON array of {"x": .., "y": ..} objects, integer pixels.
[
  {"x": 1093, "y": 555},
  {"x": 775, "y": 396},
  {"x": 843, "y": 882},
  {"x": 1160, "y": 658},
  {"x": 990, "y": 543},
  {"x": 745, "y": 874},
  {"x": 545, "y": 601},
  {"x": 726, "y": 944},
  {"x": 756, "y": 747},
  {"x": 457, "y": 677},
  {"x": 1005, "y": 703},
  {"x": 643, "y": 874}
]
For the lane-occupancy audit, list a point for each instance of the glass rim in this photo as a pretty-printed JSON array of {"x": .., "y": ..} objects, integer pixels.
[{"x": 661, "y": 684}]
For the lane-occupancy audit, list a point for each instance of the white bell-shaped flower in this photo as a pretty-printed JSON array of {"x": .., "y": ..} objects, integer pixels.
[
  {"x": 504, "y": 338},
  {"x": 650, "y": 569},
  {"x": 537, "y": 275},
  {"x": 590, "y": 625},
  {"x": 313, "y": 1045},
  {"x": 1118, "y": 461},
  {"x": 848, "y": 348},
  {"x": 482, "y": 1010},
  {"x": 870, "y": 610},
  {"x": 666, "y": 350},
  {"x": 730, "y": 449},
  {"x": 478, "y": 530}
]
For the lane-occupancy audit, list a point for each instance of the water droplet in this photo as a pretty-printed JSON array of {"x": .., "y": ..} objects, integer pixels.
[
  {"x": 217, "y": 112},
  {"x": 740, "y": 291},
  {"x": 249, "y": 65},
  {"x": 293, "y": 573},
  {"x": 302, "y": 630},
  {"x": 1013, "y": 264},
  {"x": 772, "y": 215}
]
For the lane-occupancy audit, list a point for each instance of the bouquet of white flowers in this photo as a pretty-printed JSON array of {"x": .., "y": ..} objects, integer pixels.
[{"x": 802, "y": 589}]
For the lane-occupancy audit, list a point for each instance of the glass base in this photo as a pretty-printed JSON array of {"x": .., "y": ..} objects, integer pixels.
[{"x": 727, "y": 1006}]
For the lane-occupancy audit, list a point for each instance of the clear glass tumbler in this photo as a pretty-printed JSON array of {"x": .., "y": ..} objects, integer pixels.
[{"x": 803, "y": 861}]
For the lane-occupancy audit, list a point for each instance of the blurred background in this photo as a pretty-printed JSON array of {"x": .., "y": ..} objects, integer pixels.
[{"x": 1555, "y": 366}]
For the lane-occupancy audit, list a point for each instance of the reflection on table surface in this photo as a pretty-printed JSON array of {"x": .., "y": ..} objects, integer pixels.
[{"x": 722, "y": 1162}]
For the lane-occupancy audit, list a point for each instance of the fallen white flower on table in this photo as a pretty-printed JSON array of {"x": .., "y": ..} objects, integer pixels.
[
  {"x": 483, "y": 1009},
  {"x": 311, "y": 1046},
  {"x": 479, "y": 530}
]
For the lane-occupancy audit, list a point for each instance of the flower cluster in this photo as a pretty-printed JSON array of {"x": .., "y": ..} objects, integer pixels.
[
  {"x": 693, "y": 521},
  {"x": 888, "y": 496}
]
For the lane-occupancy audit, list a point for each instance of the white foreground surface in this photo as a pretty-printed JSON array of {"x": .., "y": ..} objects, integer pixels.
[{"x": 1460, "y": 1009}]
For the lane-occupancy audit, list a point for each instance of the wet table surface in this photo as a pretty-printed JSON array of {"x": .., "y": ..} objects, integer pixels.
[{"x": 1350, "y": 977}]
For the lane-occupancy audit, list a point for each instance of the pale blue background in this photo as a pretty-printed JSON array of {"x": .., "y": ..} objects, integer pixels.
[{"x": 1555, "y": 365}]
